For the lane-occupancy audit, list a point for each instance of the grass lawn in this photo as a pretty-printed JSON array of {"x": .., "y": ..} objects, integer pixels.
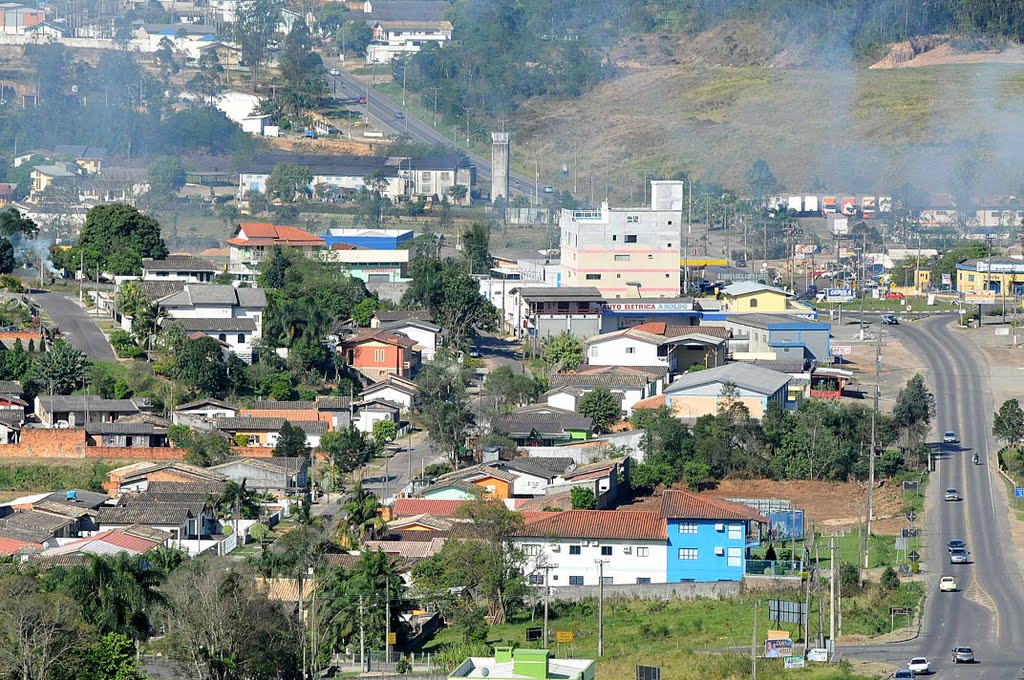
[
  {"x": 673, "y": 635},
  {"x": 916, "y": 304}
]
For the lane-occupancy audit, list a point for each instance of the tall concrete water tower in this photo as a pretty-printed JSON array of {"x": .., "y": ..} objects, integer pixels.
[{"x": 499, "y": 165}]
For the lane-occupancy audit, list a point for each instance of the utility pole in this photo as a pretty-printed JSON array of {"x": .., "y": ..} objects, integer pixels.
[
  {"x": 362, "y": 638},
  {"x": 81, "y": 275},
  {"x": 753, "y": 647},
  {"x": 871, "y": 454},
  {"x": 832, "y": 591},
  {"x": 547, "y": 592},
  {"x": 817, "y": 588},
  {"x": 435, "y": 89},
  {"x": 600, "y": 607},
  {"x": 387, "y": 620},
  {"x": 575, "y": 164}
]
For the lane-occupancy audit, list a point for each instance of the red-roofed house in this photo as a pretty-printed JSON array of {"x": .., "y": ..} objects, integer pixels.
[
  {"x": 252, "y": 242},
  {"x": 11, "y": 546},
  {"x": 407, "y": 507},
  {"x": 632, "y": 543},
  {"x": 379, "y": 354}
]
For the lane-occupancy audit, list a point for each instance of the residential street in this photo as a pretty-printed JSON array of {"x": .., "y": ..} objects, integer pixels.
[
  {"x": 983, "y": 613},
  {"x": 75, "y": 325}
]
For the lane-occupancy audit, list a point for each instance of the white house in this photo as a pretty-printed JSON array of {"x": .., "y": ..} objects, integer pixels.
[
  {"x": 630, "y": 385},
  {"x": 367, "y": 413},
  {"x": 233, "y": 316},
  {"x": 631, "y": 543},
  {"x": 179, "y": 268},
  {"x": 658, "y": 344},
  {"x": 425, "y": 334},
  {"x": 534, "y": 475},
  {"x": 393, "y": 389},
  {"x": 199, "y": 413}
]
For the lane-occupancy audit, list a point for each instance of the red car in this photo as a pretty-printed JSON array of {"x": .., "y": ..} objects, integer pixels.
[{"x": 894, "y": 296}]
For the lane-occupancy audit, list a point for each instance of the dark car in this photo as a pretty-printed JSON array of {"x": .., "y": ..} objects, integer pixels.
[
  {"x": 890, "y": 320},
  {"x": 399, "y": 115},
  {"x": 956, "y": 544}
]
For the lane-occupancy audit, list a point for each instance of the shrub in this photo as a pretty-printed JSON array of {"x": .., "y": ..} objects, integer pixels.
[{"x": 890, "y": 579}]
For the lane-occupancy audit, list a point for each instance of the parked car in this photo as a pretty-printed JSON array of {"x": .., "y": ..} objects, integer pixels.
[
  {"x": 474, "y": 352},
  {"x": 949, "y": 437},
  {"x": 956, "y": 544},
  {"x": 890, "y": 320},
  {"x": 892, "y": 295},
  {"x": 963, "y": 655},
  {"x": 919, "y": 665},
  {"x": 947, "y": 584},
  {"x": 549, "y": 190},
  {"x": 958, "y": 556},
  {"x": 952, "y": 494},
  {"x": 334, "y": 72}
]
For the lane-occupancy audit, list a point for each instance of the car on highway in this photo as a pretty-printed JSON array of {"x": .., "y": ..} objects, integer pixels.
[
  {"x": 919, "y": 665},
  {"x": 399, "y": 115},
  {"x": 890, "y": 320},
  {"x": 474, "y": 352},
  {"x": 549, "y": 190},
  {"x": 958, "y": 556},
  {"x": 963, "y": 655},
  {"x": 903, "y": 674},
  {"x": 951, "y": 494},
  {"x": 334, "y": 72},
  {"x": 956, "y": 544},
  {"x": 947, "y": 584},
  {"x": 949, "y": 437}
]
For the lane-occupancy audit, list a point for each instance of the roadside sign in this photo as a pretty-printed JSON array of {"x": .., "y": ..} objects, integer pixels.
[
  {"x": 794, "y": 662},
  {"x": 817, "y": 654},
  {"x": 1018, "y": 492},
  {"x": 1003, "y": 331},
  {"x": 979, "y": 297},
  {"x": 392, "y": 638},
  {"x": 648, "y": 673},
  {"x": 911, "y": 532},
  {"x": 909, "y": 485},
  {"x": 911, "y": 516},
  {"x": 839, "y": 295},
  {"x": 900, "y": 611},
  {"x": 564, "y": 636},
  {"x": 901, "y": 542},
  {"x": 842, "y": 350},
  {"x": 774, "y": 649},
  {"x": 914, "y": 556},
  {"x": 534, "y": 634}
]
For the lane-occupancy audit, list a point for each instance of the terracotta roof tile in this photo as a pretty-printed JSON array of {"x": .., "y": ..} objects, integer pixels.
[
  {"x": 9, "y": 546},
  {"x": 426, "y": 506},
  {"x": 686, "y": 505},
  {"x": 643, "y": 525},
  {"x": 657, "y": 401}
]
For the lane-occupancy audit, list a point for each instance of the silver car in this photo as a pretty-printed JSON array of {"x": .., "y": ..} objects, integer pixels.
[
  {"x": 952, "y": 494},
  {"x": 963, "y": 655},
  {"x": 958, "y": 556}
]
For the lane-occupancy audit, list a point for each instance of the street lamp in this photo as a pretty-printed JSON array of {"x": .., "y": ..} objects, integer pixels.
[{"x": 638, "y": 285}]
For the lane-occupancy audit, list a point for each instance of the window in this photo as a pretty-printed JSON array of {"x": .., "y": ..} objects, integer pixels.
[
  {"x": 687, "y": 553},
  {"x": 630, "y": 238},
  {"x": 642, "y": 581},
  {"x": 631, "y": 350},
  {"x": 622, "y": 258},
  {"x": 970, "y": 277},
  {"x": 615, "y": 237},
  {"x": 222, "y": 337},
  {"x": 753, "y": 303},
  {"x": 735, "y": 557},
  {"x": 670, "y": 244},
  {"x": 687, "y": 527},
  {"x": 735, "y": 532},
  {"x": 536, "y": 579},
  {"x": 574, "y": 550},
  {"x": 253, "y": 440},
  {"x": 606, "y": 550},
  {"x": 425, "y": 175},
  {"x": 593, "y": 351},
  {"x": 606, "y": 580},
  {"x": 642, "y": 552},
  {"x": 650, "y": 257},
  {"x": 378, "y": 356},
  {"x": 575, "y": 580},
  {"x": 563, "y": 306},
  {"x": 241, "y": 338},
  {"x": 593, "y": 277}
]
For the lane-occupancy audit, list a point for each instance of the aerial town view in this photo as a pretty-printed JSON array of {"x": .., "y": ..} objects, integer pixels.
[{"x": 511, "y": 339}]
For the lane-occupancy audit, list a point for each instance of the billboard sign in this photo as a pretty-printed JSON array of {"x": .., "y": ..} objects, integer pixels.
[
  {"x": 564, "y": 636},
  {"x": 839, "y": 295},
  {"x": 885, "y": 204},
  {"x": 775, "y": 649},
  {"x": 794, "y": 662},
  {"x": 802, "y": 250},
  {"x": 784, "y": 611},
  {"x": 979, "y": 297},
  {"x": 842, "y": 350},
  {"x": 849, "y": 206},
  {"x": 817, "y": 654},
  {"x": 787, "y": 525}
]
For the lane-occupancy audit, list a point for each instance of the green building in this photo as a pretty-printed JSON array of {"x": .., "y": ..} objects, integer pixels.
[{"x": 524, "y": 664}]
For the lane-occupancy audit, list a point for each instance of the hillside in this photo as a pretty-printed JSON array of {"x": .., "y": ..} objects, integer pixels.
[{"x": 855, "y": 129}]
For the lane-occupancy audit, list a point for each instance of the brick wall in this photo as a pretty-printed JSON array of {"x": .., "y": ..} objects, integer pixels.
[{"x": 69, "y": 444}]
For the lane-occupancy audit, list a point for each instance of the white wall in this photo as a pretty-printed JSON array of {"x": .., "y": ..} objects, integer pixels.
[
  {"x": 528, "y": 485},
  {"x": 389, "y": 393},
  {"x": 616, "y": 352},
  {"x": 563, "y": 401},
  {"x": 621, "y": 567},
  {"x": 424, "y": 338}
]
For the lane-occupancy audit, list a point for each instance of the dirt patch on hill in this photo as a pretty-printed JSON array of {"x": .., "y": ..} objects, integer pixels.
[
  {"x": 940, "y": 50},
  {"x": 323, "y": 146}
]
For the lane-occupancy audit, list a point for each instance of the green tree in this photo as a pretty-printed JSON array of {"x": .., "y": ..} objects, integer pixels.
[
  {"x": 1008, "y": 423},
  {"x": 504, "y": 389},
  {"x": 354, "y": 37},
  {"x": 14, "y": 225},
  {"x": 291, "y": 442},
  {"x": 760, "y": 180},
  {"x": 302, "y": 71},
  {"x": 362, "y": 313},
  {"x": 372, "y": 203},
  {"x": 112, "y": 657},
  {"x": 256, "y": 23},
  {"x": 361, "y": 521},
  {"x": 197, "y": 363},
  {"x": 347, "y": 448},
  {"x": 166, "y": 176},
  {"x": 202, "y": 448},
  {"x": 603, "y": 407},
  {"x": 371, "y": 582},
  {"x": 7, "y": 262},
  {"x": 696, "y": 474},
  {"x": 132, "y": 302},
  {"x": 451, "y": 296},
  {"x": 583, "y": 498},
  {"x": 41, "y": 630},
  {"x": 118, "y": 593},
  {"x": 62, "y": 369},
  {"x": 115, "y": 238},
  {"x": 563, "y": 352},
  {"x": 476, "y": 248},
  {"x": 384, "y": 432},
  {"x": 289, "y": 181},
  {"x": 913, "y": 411}
]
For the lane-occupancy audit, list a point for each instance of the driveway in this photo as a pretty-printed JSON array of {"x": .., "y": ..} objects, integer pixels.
[{"x": 77, "y": 327}]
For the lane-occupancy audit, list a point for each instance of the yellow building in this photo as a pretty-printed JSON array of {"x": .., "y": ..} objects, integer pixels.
[
  {"x": 45, "y": 176},
  {"x": 1006, "y": 276},
  {"x": 748, "y": 296}
]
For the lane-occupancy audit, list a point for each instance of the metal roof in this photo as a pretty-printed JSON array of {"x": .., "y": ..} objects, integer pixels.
[
  {"x": 269, "y": 424},
  {"x": 747, "y": 376},
  {"x": 179, "y": 263},
  {"x": 213, "y": 324},
  {"x": 563, "y": 294},
  {"x": 686, "y": 505},
  {"x": 749, "y": 287}
]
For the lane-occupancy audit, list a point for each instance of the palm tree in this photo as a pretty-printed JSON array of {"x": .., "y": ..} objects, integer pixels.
[
  {"x": 238, "y": 501},
  {"x": 116, "y": 592}
]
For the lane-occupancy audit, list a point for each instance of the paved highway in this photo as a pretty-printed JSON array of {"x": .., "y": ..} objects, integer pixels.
[
  {"x": 382, "y": 109},
  {"x": 985, "y": 613}
]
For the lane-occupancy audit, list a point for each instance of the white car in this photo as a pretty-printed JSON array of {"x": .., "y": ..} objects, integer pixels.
[
  {"x": 334, "y": 72},
  {"x": 947, "y": 584},
  {"x": 952, "y": 494},
  {"x": 919, "y": 664},
  {"x": 949, "y": 437}
]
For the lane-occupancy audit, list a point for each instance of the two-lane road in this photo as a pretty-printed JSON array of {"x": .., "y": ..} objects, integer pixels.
[{"x": 986, "y": 612}]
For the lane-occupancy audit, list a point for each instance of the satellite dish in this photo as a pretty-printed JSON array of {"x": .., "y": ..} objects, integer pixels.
[
  {"x": 485, "y": 672},
  {"x": 74, "y": 88}
]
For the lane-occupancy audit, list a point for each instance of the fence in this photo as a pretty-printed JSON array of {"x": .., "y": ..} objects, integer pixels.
[
  {"x": 378, "y": 661},
  {"x": 774, "y": 567}
]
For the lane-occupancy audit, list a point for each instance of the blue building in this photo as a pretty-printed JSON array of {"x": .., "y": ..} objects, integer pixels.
[
  {"x": 369, "y": 239},
  {"x": 707, "y": 537},
  {"x": 779, "y": 336}
]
